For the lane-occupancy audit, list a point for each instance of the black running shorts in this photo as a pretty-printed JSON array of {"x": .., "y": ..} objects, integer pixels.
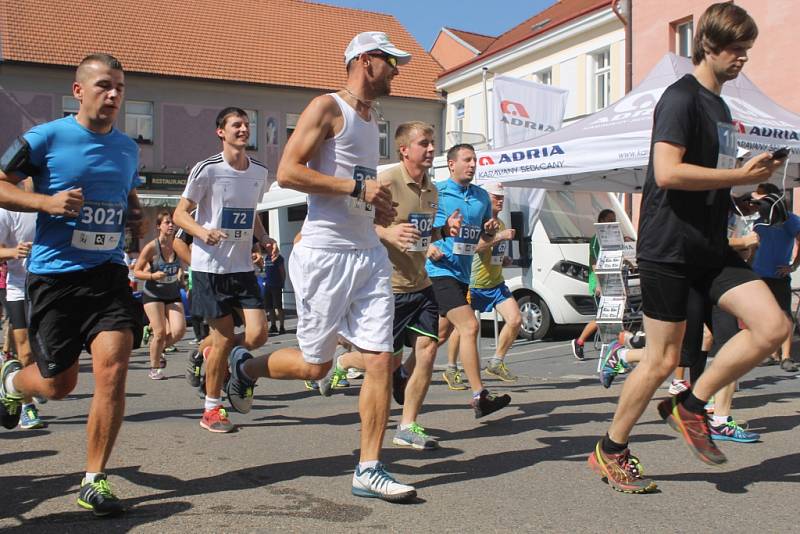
[
  {"x": 415, "y": 314},
  {"x": 782, "y": 290},
  {"x": 450, "y": 293},
  {"x": 217, "y": 295},
  {"x": 17, "y": 314},
  {"x": 665, "y": 286},
  {"x": 66, "y": 311}
]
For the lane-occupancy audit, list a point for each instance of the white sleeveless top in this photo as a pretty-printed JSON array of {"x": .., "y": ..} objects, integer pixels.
[{"x": 337, "y": 221}]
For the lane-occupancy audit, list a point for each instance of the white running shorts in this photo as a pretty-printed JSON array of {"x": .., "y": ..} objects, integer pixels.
[{"x": 344, "y": 293}]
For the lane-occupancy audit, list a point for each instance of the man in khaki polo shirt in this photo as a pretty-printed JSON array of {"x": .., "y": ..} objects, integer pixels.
[{"x": 416, "y": 314}]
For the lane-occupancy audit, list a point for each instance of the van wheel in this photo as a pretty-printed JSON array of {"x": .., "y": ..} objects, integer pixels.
[{"x": 536, "y": 320}]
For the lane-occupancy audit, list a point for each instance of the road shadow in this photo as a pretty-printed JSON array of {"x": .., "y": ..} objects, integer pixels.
[{"x": 781, "y": 469}]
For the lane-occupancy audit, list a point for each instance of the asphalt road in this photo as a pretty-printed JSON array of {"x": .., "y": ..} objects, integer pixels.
[{"x": 289, "y": 465}]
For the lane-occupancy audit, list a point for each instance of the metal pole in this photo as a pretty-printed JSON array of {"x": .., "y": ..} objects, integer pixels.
[{"x": 484, "y": 72}]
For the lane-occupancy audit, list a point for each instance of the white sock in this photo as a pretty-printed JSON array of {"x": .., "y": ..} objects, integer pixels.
[
  {"x": 366, "y": 465},
  {"x": 404, "y": 427},
  {"x": 89, "y": 477},
  {"x": 622, "y": 353},
  {"x": 212, "y": 403},
  {"x": 718, "y": 420},
  {"x": 477, "y": 394},
  {"x": 9, "y": 383}
]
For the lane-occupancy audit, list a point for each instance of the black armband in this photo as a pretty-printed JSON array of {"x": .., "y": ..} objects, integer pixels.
[{"x": 17, "y": 159}]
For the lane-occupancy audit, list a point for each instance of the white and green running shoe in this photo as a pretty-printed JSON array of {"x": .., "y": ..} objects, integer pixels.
[{"x": 415, "y": 437}]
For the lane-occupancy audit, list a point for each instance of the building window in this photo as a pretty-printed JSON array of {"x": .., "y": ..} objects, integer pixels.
[
  {"x": 139, "y": 121},
  {"x": 291, "y": 123},
  {"x": 383, "y": 139},
  {"x": 69, "y": 105},
  {"x": 458, "y": 116},
  {"x": 601, "y": 79},
  {"x": 684, "y": 35},
  {"x": 544, "y": 76},
  {"x": 252, "y": 118}
]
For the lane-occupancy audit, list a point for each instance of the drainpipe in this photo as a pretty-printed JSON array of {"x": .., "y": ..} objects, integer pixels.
[
  {"x": 484, "y": 72},
  {"x": 443, "y": 130},
  {"x": 626, "y": 21}
]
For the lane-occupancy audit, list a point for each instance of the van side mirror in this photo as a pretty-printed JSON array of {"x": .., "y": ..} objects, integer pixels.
[{"x": 523, "y": 241}]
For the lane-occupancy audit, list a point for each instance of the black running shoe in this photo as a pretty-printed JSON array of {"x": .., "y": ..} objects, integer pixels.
[
  {"x": 98, "y": 497},
  {"x": 399, "y": 385},
  {"x": 194, "y": 369},
  {"x": 488, "y": 403},
  {"x": 10, "y": 403}
]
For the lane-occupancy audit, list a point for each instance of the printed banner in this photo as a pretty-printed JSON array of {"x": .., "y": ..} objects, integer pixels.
[{"x": 525, "y": 110}]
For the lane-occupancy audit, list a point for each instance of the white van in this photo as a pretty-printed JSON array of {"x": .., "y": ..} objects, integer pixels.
[{"x": 551, "y": 250}]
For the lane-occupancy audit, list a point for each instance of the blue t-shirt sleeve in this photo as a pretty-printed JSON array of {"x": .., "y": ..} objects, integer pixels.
[
  {"x": 441, "y": 216},
  {"x": 487, "y": 212},
  {"x": 793, "y": 224}
]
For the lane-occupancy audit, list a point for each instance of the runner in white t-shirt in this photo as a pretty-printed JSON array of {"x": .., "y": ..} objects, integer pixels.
[
  {"x": 340, "y": 271},
  {"x": 225, "y": 189},
  {"x": 17, "y": 230}
]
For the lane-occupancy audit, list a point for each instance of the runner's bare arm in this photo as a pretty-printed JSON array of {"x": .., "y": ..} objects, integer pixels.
[
  {"x": 182, "y": 250},
  {"x": 320, "y": 120},
  {"x": 141, "y": 269},
  {"x": 135, "y": 220},
  {"x": 67, "y": 203},
  {"x": 672, "y": 173},
  {"x": 183, "y": 218}
]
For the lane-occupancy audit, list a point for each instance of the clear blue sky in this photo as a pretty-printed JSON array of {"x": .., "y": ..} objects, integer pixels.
[{"x": 424, "y": 18}]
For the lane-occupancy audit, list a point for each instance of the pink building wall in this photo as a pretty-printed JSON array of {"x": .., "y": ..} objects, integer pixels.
[{"x": 773, "y": 65}]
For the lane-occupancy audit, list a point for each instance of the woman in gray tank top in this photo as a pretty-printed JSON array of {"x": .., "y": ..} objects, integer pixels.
[{"x": 158, "y": 265}]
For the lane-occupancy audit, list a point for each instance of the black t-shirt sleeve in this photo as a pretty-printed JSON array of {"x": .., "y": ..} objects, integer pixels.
[{"x": 674, "y": 118}]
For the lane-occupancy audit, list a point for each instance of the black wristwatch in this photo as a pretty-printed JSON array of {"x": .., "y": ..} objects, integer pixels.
[{"x": 357, "y": 189}]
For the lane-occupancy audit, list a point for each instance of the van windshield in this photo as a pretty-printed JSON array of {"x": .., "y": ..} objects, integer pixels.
[{"x": 569, "y": 216}]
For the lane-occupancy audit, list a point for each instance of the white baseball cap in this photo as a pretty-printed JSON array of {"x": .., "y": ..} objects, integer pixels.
[
  {"x": 369, "y": 41},
  {"x": 495, "y": 188}
]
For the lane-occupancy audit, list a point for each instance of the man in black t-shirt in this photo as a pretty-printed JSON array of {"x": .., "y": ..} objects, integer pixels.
[{"x": 683, "y": 244}]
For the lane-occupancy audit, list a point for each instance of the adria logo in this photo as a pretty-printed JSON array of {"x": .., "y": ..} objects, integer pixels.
[
  {"x": 507, "y": 107},
  {"x": 522, "y": 155},
  {"x": 739, "y": 125}
]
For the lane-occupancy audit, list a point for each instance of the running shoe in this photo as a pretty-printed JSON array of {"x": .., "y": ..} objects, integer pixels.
[
  {"x": 343, "y": 382},
  {"x": 337, "y": 377},
  {"x": 768, "y": 361},
  {"x": 488, "y": 403},
  {"x": 501, "y": 371},
  {"x": 375, "y": 482},
  {"x": 10, "y": 403},
  {"x": 711, "y": 406},
  {"x": 399, "y": 381},
  {"x": 216, "y": 420},
  {"x": 415, "y": 437},
  {"x": 678, "y": 386},
  {"x": 577, "y": 349},
  {"x": 694, "y": 429},
  {"x": 156, "y": 374},
  {"x": 282, "y": 331},
  {"x": 611, "y": 364},
  {"x": 40, "y": 400},
  {"x": 353, "y": 373},
  {"x": 453, "y": 379},
  {"x": 732, "y": 431},
  {"x": 30, "y": 418},
  {"x": 98, "y": 497},
  {"x": 622, "y": 471},
  {"x": 788, "y": 365},
  {"x": 239, "y": 388},
  {"x": 194, "y": 369},
  {"x": 171, "y": 348},
  {"x": 146, "y": 333},
  {"x": 311, "y": 384},
  {"x": 273, "y": 329}
]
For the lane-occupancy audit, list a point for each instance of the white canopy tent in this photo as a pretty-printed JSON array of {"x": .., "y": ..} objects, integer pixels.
[{"x": 609, "y": 150}]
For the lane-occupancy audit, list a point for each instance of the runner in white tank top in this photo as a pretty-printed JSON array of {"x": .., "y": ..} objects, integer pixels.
[{"x": 340, "y": 271}]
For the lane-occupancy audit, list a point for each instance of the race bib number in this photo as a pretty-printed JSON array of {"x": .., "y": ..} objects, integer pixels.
[
  {"x": 499, "y": 252},
  {"x": 424, "y": 223},
  {"x": 726, "y": 135},
  {"x": 237, "y": 223},
  {"x": 356, "y": 206},
  {"x": 467, "y": 240},
  {"x": 99, "y": 226},
  {"x": 171, "y": 271}
]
